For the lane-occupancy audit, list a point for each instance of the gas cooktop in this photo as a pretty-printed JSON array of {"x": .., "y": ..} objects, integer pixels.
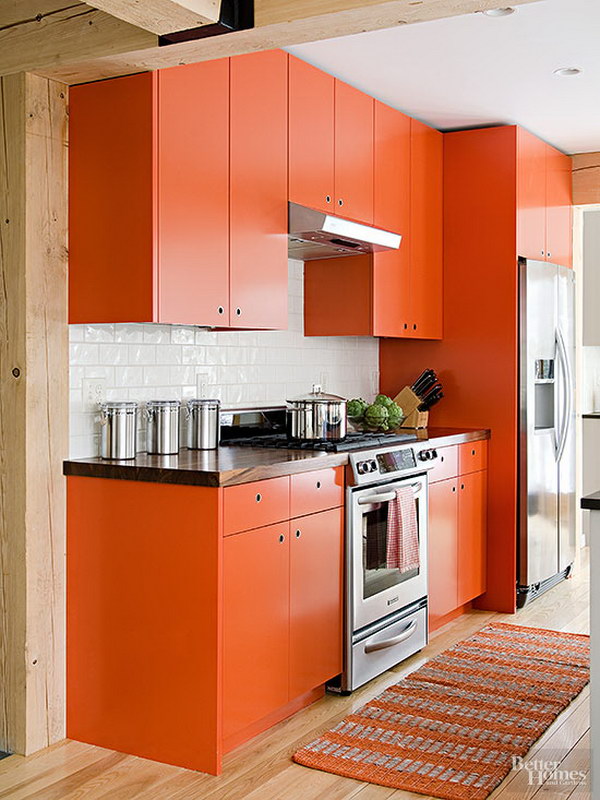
[{"x": 353, "y": 441}]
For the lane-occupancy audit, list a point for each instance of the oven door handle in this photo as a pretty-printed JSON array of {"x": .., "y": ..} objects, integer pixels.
[
  {"x": 371, "y": 499},
  {"x": 402, "y": 637}
]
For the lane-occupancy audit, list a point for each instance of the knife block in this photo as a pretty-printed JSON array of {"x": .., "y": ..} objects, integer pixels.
[{"x": 409, "y": 402}]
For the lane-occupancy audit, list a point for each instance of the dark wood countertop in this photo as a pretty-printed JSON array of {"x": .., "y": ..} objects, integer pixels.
[
  {"x": 591, "y": 415},
  {"x": 591, "y": 502},
  {"x": 228, "y": 466}
]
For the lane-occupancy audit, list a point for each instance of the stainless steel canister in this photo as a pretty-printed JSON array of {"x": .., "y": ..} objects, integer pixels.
[
  {"x": 118, "y": 421},
  {"x": 163, "y": 427},
  {"x": 203, "y": 424}
]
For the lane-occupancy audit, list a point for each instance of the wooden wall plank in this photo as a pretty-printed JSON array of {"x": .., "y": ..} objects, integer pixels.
[
  {"x": 162, "y": 16},
  {"x": 51, "y": 33},
  {"x": 586, "y": 178},
  {"x": 334, "y": 18},
  {"x": 33, "y": 409}
]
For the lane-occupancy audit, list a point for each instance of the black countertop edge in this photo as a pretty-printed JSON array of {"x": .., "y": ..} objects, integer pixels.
[
  {"x": 591, "y": 502},
  {"x": 591, "y": 415}
]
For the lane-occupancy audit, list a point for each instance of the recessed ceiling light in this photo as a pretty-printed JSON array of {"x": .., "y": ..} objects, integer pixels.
[
  {"x": 499, "y": 12},
  {"x": 568, "y": 72}
]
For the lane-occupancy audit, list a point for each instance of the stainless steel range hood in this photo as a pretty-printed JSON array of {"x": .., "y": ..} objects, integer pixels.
[{"x": 314, "y": 234}]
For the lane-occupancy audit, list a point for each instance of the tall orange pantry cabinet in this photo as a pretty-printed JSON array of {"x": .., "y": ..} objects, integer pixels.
[
  {"x": 178, "y": 195},
  {"x": 506, "y": 194}
]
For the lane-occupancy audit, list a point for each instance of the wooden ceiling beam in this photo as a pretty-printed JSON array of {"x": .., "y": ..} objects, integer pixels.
[
  {"x": 47, "y": 34},
  {"x": 162, "y": 16},
  {"x": 586, "y": 179},
  {"x": 278, "y": 23}
]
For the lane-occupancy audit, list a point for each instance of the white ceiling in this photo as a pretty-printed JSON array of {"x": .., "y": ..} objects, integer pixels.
[{"x": 479, "y": 70}]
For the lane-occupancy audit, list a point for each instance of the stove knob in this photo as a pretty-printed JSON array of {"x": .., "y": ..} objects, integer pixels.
[
  {"x": 360, "y": 467},
  {"x": 434, "y": 454},
  {"x": 373, "y": 465},
  {"x": 424, "y": 455}
]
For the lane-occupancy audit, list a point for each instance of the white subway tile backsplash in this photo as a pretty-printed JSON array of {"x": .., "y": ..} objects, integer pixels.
[{"x": 243, "y": 368}]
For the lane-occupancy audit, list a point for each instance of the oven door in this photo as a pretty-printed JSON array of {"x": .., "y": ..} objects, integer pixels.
[{"x": 376, "y": 590}]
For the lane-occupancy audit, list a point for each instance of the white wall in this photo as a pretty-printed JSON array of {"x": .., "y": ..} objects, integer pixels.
[{"x": 243, "y": 368}]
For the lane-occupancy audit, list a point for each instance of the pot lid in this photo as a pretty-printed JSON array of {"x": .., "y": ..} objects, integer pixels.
[{"x": 318, "y": 396}]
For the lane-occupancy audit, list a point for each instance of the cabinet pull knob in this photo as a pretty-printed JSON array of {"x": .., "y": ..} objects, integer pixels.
[
  {"x": 238, "y": 311},
  {"x": 406, "y": 326},
  {"x": 281, "y": 537},
  {"x": 221, "y": 310},
  {"x": 454, "y": 488},
  {"x": 541, "y": 252},
  {"x": 258, "y": 497},
  {"x": 462, "y": 486},
  {"x": 473, "y": 452},
  {"x": 340, "y": 202},
  {"x": 328, "y": 198},
  {"x": 549, "y": 254},
  {"x": 415, "y": 327},
  {"x": 298, "y": 534},
  {"x": 318, "y": 484}
]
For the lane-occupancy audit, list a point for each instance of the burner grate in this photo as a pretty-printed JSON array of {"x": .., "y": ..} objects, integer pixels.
[{"x": 353, "y": 441}]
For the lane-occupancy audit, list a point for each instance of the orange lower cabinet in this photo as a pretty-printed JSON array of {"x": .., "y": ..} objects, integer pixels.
[
  {"x": 255, "y": 626},
  {"x": 316, "y": 570},
  {"x": 443, "y": 549},
  {"x": 143, "y": 639},
  {"x": 472, "y": 530},
  {"x": 316, "y": 491}
]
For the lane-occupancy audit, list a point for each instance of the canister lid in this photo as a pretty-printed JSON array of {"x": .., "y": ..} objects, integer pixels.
[
  {"x": 202, "y": 401},
  {"x": 119, "y": 405},
  {"x": 163, "y": 403}
]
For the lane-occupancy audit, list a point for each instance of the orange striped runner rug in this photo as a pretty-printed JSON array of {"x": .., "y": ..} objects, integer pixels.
[{"x": 451, "y": 728}]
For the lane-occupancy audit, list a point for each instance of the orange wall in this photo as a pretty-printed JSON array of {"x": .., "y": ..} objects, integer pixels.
[{"x": 477, "y": 359}]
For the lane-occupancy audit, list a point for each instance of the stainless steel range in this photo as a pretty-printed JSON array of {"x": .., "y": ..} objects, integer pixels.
[{"x": 386, "y": 609}]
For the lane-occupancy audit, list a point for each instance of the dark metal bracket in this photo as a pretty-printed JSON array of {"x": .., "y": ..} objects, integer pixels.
[{"x": 234, "y": 15}]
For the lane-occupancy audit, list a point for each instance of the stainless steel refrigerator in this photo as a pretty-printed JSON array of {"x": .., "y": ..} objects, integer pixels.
[{"x": 546, "y": 525}]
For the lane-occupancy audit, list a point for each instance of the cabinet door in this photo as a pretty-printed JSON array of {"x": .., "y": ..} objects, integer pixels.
[
  {"x": 193, "y": 194},
  {"x": 316, "y": 588},
  {"x": 531, "y": 196},
  {"x": 443, "y": 549},
  {"x": 559, "y": 208},
  {"x": 255, "y": 626},
  {"x": 311, "y": 135},
  {"x": 426, "y": 221},
  {"x": 472, "y": 515},
  {"x": 258, "y": 191},
  {"x": 353, "y": 153},
  {"x": 112, "y": 182},
  {"x": 391, "y": 271}
]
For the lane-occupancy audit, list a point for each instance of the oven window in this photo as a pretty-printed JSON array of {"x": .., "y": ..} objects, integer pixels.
[{"x": 376, "y": 575}]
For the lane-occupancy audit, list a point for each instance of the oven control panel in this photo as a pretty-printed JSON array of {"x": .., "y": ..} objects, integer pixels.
[{"x": 372, "y": 465}]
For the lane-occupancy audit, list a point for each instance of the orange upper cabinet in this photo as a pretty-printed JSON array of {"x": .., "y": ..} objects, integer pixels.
[
  {"x": 391, "y": 271},
  {"x": 258, "y": 200},
  {"x": 531, "y": 196},
  {"x": 311, "y": 136},
  {"x": 544, "y": 201},
  {"x": 353, "y": 153},
  {"x": 426, "y": 232},
  {"x": 178, "y": 191},
  {"x": 112, "y": 182},
  {"x": 559, "y": 208},
  {"x": 193, "y": 194}
]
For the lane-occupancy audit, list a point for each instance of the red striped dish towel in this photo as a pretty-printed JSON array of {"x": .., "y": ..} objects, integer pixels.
[{"x": 402, "y": 532}]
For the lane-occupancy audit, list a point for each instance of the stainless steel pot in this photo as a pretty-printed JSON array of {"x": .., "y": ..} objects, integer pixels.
[
  {"x": 203, "y": 424},
  {"x": 317, "y": 417},
  {"x": 163, "y": 427},
  {"x": 118, "y": 422}
]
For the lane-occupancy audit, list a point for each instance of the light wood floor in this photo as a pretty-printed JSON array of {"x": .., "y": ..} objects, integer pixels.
[{"x": 263, "y": 770}]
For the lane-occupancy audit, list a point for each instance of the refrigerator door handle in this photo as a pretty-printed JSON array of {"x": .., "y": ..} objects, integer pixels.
[{"x": 568, "y": 404}]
